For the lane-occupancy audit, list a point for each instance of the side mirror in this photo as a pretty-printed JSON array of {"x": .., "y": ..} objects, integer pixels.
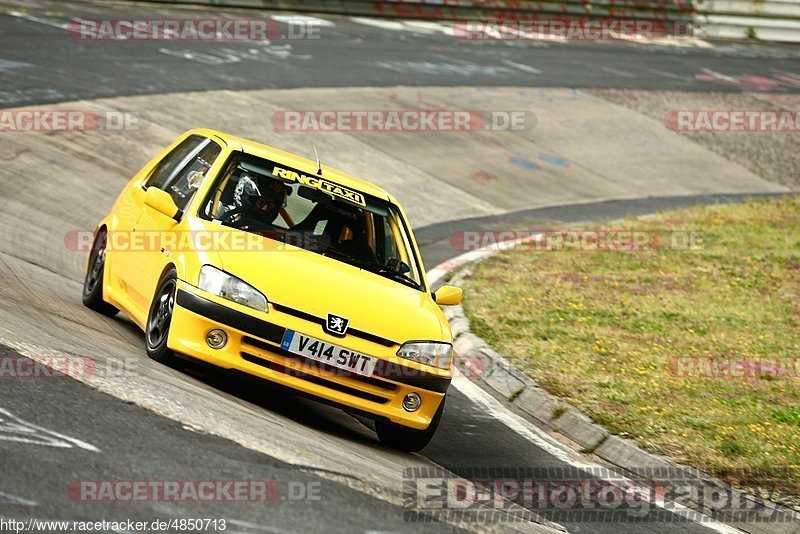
[
  {"x": 162, "y": 202},
  {"x": 448, "y": 295}
]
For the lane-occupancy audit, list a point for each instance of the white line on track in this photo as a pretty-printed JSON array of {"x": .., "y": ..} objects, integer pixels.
[
  {"x": 302, "y": 19},
  {"x": 26, "y": 426},
  {"x": 47, "y": 22},
  {"x": 14, "y": 499},
  {"x": 682, "y": 42},
  {"x": 522, "y": 67},
  {"x": 427, "y": 26},
  {"x": 379, "y": 23},
  {"x": 720, "y": 76},
  {"x": 414, "y": 26},
  {"x": 6, "y": 65}
]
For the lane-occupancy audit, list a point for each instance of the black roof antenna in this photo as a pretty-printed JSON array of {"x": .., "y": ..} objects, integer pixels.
[{"x": 316, "y": 156}]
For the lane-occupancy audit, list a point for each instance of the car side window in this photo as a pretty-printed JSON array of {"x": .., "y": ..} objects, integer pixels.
[
  {"x": 184, "y": 184},
  {"x": 160, "y": 175}
]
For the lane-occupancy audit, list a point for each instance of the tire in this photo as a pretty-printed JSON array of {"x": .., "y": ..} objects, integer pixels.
[
  {"x": 93, "y": 281},
  {"x": 159, "y": 318},
  {"x": 408, "y": 439}
]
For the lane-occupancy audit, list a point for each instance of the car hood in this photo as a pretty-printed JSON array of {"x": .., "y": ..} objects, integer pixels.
[{"x": 318, "y": 285}]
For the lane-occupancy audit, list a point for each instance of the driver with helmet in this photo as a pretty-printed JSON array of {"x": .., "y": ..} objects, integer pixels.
[{"x": 260, "y": 199}]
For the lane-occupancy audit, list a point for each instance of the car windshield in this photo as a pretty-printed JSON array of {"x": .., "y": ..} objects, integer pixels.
[{"x": 310, "y": 212}]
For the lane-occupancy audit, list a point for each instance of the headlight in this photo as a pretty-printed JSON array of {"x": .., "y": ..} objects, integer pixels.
[
  {"x": 229, "y": 287},
  {"x": 430, "y": 353}
]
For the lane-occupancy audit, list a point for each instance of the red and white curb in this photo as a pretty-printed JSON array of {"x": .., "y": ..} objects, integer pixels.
[{"x": 447, "y": 267}]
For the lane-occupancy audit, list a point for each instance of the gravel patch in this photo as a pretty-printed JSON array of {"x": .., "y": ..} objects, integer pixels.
[{"x": 774, "y": 156}]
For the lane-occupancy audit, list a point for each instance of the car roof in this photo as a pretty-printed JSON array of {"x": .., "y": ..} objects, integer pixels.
[{"x": 298, "y": 162}]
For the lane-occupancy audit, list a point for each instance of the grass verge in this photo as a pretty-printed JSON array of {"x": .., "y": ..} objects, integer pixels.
[{"x": 695, "y": 354}]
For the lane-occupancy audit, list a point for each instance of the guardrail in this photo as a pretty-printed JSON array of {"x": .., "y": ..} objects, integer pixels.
[
  {"x": 770, "y": 20},
  {"x": 467, "y": 9}
]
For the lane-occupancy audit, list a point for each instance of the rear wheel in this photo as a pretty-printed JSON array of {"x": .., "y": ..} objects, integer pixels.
[
  {"x": 408, "y": 439},
  {"x": 160, "y": 318},
  {"x": 93, "y": 282}
]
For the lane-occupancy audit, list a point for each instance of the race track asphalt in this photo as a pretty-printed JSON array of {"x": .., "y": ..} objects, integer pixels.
[{"x": 295, "y": 443}]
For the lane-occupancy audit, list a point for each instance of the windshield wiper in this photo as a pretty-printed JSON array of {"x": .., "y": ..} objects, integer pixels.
[
  {"x": 338, "y": 254},
  {"x": 397, "y": 276},
  {"x": 373, "y": 267}
]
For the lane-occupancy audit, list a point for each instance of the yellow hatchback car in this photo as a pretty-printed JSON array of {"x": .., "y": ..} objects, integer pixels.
[{"x": 263, "y": 262}]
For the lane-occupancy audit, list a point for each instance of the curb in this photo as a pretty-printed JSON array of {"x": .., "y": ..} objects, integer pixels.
[{"x": 496, "y": 375}]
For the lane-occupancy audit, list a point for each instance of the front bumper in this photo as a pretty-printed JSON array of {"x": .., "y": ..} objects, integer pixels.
[{"x": 253, "y": 348}]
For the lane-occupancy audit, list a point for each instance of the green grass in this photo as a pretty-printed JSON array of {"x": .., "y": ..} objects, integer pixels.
[{"x": 602, "y": 329}]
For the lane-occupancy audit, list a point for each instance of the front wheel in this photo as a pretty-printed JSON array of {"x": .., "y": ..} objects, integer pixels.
[
  {"x": 159, "y": 319},
  {"x": 408, "y": 439},
  {"x": 93, "y": 282}
]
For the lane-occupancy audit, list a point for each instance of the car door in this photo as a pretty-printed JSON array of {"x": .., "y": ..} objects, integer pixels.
[
  {"x": 157, "y": 235},
  {"x": 123, "y": 252}
]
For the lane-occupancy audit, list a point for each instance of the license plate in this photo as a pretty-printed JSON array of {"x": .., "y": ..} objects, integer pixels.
[{"x": 328, "y": 353}]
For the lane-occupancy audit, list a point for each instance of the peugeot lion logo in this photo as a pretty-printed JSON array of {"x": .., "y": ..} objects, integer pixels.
[{"x": 336, "y": 325}]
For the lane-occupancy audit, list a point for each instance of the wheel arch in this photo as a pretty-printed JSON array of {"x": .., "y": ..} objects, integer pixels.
[{"x": 167, "y": 268}]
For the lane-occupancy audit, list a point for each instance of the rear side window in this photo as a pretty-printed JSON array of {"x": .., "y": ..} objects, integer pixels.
[
  {"x": 184, "y": 184},
  {"x": 163, "y": 171}
]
